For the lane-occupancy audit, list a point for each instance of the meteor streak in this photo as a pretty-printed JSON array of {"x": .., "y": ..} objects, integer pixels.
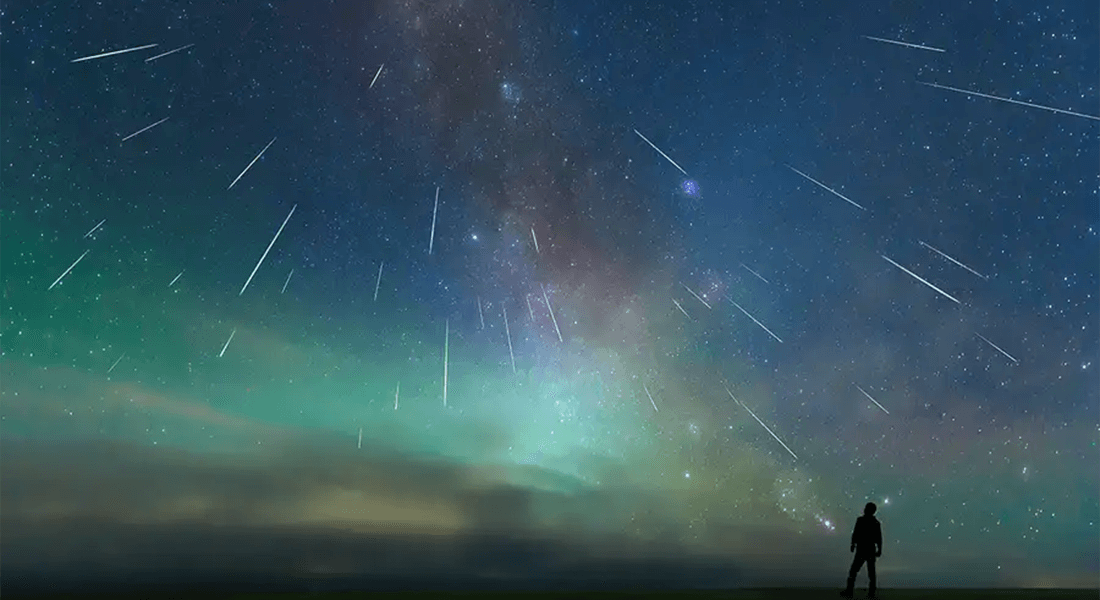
[
  {"x": 163, "y": 54},
  {"x": 114, "y": 52},
  {"x": 376, "y": 75},
  {"x": 872, "y": 399},
  {"x": 67, "y": 270},
  {"x": 757, "y": 322},
  {"x": 93, "y": 229},
  {"x": 646, "y": 388},
  {"x": 922, "y": 280},
  {"x": 446, "y": 358},
  {"x": 261, "y": 261},
  {"x": 144, "y": 129},
  {"x": 378, "y": 283},
  {"x": 116, "y": 363},
  {"x": 954, "y": 261},
  {"x": 287, "y": 282},
  {"x": 677, "y": 303},
  {"x": 551, "y": 309},
  {"x": 998, "y": 348},
  {"x": 906, "y": 44},
  {"x": 758, "y": 276},
  {"x": 662, "y": 153},
  {"x": 431, "y": 241},
  {"x": 508, "y": 334},
  {"x": 222, "y": 353},
  {"x": 761, "y": 423},
  {"x": 1010, "y": 100},
  {"x": 250, "y": 164},
  {"x": 827, "y": 188},
  {"x": 697, "y": 297}
]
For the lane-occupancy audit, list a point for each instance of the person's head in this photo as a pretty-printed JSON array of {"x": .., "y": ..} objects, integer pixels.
[{"x": 870, "y": 508}]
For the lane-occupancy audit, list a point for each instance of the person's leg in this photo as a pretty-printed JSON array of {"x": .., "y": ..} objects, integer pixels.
[
  {"x": 871, "y": 575},
  {"x": 857, "y": 563}
]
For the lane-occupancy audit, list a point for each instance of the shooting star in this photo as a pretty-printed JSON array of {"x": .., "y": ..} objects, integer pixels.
[
  {"x": 508, "y": 334},
  {"x": 397, "y": 395},
  {"x": 758, "y": 276},
  {"x": 480, "y": 315},
  {"x": 1011, "y": 101},
  {"x": 93, "y": 229},
  {"x": 536, "y": 240},
  {"x": 58, "y": 280},
  {"x": 757, "y": 322},
  {"x": 114, "y": 52},
  {"x": 873, "y": 400},
  {"x": 378, "y": 283},
  {"x": 998, "y": 348},
  {"x": 827, "y": 188},
  {"x": 250, "y": 164},
  {"x": 644, "y": 387},
  {"x": 163, "y": 54},
  {"x": 446, "y": 358},
  {"x": 359, "y": 445},
  {"x": 662, "y": 153},
  {"x": 954, "y": 261},
  {"x": 922, "y": 280},
  {"x": 761, "y": 423},
  {"x": 233, "y": 333},
  {"x": 144, "y": 129},
  {"x": 906, "y": 44},
  {"x": 697, "y": 297},
  {"x": 261, "y": 261},
  {"x": 546, "y": 299},
  {"x": 530, "y": 310},
  {"x": 677, "y": 303},
  {"x": 431, "y": 242},
  {"x": 175, "y": 279},
  {"x": 287, "y": 282},
  {"x": 376, "y": 75},
  {"x": 116, "y": 363}
]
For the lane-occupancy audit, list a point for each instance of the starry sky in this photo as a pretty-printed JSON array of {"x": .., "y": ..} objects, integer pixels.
[{"x": 534, "y": 292}]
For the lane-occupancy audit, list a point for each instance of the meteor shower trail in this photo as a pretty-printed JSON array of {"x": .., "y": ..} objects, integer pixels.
[
  {"x": 114, "y": 52},
  {"x": 827, "y": 188},
  {"x": 661, "y": 152},
  {"x": 250, "y": 164},
  {"x": 789, "y": 116},
  {"x": 766, "y": 428},
  {"x": 261, "y": 261},
  {"x": 953, "y": 260},
  {"x": 922, "y": 280},
  {"x": 163, "y": 54},
  {"x": 906, "y": 44},
  {"x": 1011, "y": 101}
]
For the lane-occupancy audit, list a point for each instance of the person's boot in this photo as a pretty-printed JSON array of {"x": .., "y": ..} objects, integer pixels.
[
  {"x": 871, "y": 593},
  {"x": 847, "y": 592}
]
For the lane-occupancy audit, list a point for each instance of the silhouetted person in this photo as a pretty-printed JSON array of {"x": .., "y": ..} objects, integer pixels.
[{"x": 867, "y": 544}]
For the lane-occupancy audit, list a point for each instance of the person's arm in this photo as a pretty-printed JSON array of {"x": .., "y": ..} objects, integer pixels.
[
  {"x": 878, "y": 538},
  {"x": 855, "y": 530}
]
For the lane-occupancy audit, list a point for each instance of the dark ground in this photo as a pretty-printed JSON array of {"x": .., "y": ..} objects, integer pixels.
[{"x": 754, "y": 594}]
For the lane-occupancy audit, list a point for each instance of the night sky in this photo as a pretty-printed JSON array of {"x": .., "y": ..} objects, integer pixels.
[{"x": 863, "y": 271}]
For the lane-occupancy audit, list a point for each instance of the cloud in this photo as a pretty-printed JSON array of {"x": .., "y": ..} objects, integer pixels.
[
  {"x": 100, "y": 509},
  {"x": 306, "y": 513}
]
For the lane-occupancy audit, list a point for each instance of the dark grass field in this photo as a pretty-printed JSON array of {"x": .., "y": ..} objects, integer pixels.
[{"x": 750, "y": 594}]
